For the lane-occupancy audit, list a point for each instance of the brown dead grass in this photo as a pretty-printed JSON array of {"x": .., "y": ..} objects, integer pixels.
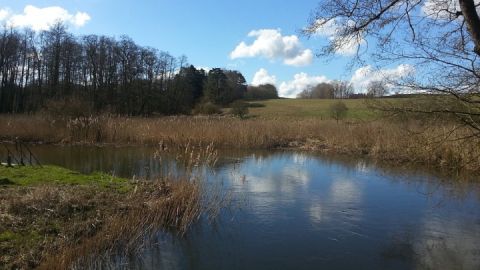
[
  {"x": 56, "y": 226},
  {"x": 410, "y": 141},
  {"x": 60, "y": 227}
]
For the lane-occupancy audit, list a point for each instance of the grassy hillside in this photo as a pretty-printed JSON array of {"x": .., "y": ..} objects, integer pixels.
[{"x": 308, "y": 108}]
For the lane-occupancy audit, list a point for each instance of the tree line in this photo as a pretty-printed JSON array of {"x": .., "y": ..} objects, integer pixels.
[
  {"x": 342, "y": 90},
  {"x": 98, "y": 74},
  {"x": 331, "y": 90}
]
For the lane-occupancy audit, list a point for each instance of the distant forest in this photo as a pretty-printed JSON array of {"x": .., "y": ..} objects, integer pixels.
[{"x": 96, "y": 74}]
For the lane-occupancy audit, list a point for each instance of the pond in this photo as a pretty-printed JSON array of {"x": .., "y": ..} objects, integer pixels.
[{"x": 301, "y": 210}]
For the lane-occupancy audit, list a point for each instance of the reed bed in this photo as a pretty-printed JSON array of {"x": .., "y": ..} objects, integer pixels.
[
  {"x": 56, "y": 226},
  {"x": 401, "y": 141}
]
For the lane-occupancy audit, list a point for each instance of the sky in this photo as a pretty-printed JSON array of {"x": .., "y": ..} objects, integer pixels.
[{"x": 260, "y": 38}]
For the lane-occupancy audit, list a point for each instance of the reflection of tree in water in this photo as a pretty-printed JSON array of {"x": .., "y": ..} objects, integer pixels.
[
  {"x": 400, "y": 249},
  {"x": 438, "y": 246}
]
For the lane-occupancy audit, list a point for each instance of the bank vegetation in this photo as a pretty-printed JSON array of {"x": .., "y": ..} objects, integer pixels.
[
  {"x": 54, "y": 218},
  {"x": 421, "y": 141}
]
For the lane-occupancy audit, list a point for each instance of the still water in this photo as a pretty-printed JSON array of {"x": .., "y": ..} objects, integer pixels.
[{"x": 305, "y": 211}]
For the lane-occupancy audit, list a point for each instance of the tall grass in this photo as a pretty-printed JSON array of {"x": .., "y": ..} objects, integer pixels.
[
  {"x": 403, "y": 141},
  {"x": 173, "y": 206},
  {"x": 84, "y": 227}
]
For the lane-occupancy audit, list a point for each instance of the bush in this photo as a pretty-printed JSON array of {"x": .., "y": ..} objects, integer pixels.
[
  {"x": 266, "y": 91},
  {"x": 207, "y": 108},
  {"x": 255, "y": 105},
  {"x": 338, "y": 110},
  {"x": 239, "y": 109},
  {"x": 70, "y": 107}
]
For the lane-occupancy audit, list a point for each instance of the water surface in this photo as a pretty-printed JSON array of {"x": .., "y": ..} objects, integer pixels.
[{"x": 305, "y": 211}]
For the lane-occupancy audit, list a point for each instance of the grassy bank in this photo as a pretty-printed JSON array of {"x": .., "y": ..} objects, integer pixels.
[
  {"x": 279, "y": 124},
  {"x": 310, "y": 108},
  {"x": 54, "y": 218},
  {"x": 381, "y": 139}
]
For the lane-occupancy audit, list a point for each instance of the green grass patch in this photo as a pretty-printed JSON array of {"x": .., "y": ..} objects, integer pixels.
[
  {"x": 36, "y": 175},
  {"x": 7, "y": 236},
  {"x": 310, "y": 108}
]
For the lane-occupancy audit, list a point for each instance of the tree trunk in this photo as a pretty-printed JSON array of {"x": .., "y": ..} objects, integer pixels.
[{"x": 470, "y": 14}]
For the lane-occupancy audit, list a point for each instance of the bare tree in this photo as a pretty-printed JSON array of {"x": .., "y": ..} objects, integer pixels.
[
  {"x": 338, "y": 110},
  {"x": 320, "y": 91},
  {"x": 441, "y": 38},
  {"x": 342, "y": 89},
  {"x": 376, "y": 89}
]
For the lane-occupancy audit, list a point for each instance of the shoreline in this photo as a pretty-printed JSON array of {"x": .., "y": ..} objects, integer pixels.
[
  {"x": 55, "y": 218},
  {"x": 306, "y": 147},
  {"x": 384, "y": 139}
]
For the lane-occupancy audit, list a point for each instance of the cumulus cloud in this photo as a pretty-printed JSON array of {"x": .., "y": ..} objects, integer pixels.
[
  {"x": 331, "y": 30},
  {"x": 443, "y": 9},
  {"x": 205, "y": 68},
  {"x": 300, "y": 82},
  {"x": 43, "y": 18},
  {"x": 271, "y": 44},
  {"x": 367, "y": 74},
  {"x": 263, "y": 77},
  {"x": 360, "y": 79},
  {"x": 4, "y": 14}
]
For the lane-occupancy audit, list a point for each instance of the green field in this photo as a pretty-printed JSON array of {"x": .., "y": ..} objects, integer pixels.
[
  {"x": 36, "y": 176},
  {"x": 306, "y": 108}
]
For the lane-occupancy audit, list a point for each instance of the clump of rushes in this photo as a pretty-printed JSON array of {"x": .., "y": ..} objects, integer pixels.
[
  {"x": 69, "y": 220},
  {"x": 409, "y": 141}
]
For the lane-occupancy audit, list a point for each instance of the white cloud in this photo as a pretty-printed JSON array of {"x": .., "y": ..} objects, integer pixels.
[
  {"x": 302, "y": 59},
  {"x": 81, "y": 18},
  {"x": 205, "y": 68},
  {"x": 262, "y": 77},
  {"x": 300, "y": 82},
  {"x": 439, "y": 8},
  {"x": 360, "y": 79},
  {"x": 4, "y": 13},
  {"x": 350, "y": 47},
  {"x": 364, "y": 75},
  {"x": 443, "y": 9},
  {"x": 43, "y": 18},
  {"x": 270, "y": 43},
  {"x": 331, "y": 30}
]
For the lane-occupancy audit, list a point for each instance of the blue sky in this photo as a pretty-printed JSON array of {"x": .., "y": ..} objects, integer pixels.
[{"x": 209, "y": 33}]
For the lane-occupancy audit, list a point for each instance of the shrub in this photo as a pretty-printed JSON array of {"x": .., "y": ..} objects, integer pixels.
[
  {"x": 338, "y": 110},
  {"x": 207, "y": 108},
  {"x": 71, "y": 107},
  {"x": 255, "y": 105},
  {"x": 239, "y": 109},
  {"x": 265, "y": 91}
]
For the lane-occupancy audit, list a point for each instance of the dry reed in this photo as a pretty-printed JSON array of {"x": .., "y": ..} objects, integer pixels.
[
  {"x": 383, "y": 139},
  {"x": 83, "y": 227}
]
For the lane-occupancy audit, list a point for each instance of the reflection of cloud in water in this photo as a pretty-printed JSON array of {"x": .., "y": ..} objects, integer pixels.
[
  {"x": 341, "y": 203},
  {"x": 292, "y": 175},
  {"x": 274, "y": 184},
  {"x": 256, "y": 184},
  {"x": 345, "y": 191},
  {"x": 271, "y": 185},
  {"x": 316, "y": 212},
  {"x": 283, "y": 179}
]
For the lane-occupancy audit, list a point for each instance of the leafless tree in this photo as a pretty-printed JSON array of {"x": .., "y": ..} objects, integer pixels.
[
  {"x": 440, "y": 38},
  {"x": 320, "y": 91},
  {"x": 55, "y": 69},
  {"x": 376, "y": 89},
  {"x": 342, "y": 89}
]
